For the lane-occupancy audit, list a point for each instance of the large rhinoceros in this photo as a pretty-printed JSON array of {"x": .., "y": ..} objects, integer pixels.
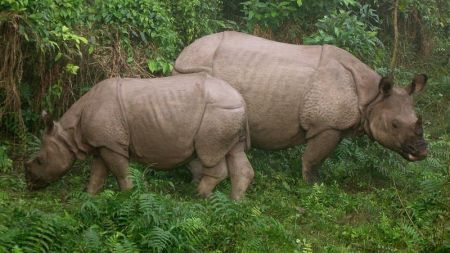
[
  {"x": 309, "y": 94},
  {"x": 164, "y": 122}
]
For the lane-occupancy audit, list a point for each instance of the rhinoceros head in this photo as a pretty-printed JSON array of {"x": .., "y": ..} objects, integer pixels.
[
  {"x": 393, "y": 122},
  {"x": 53, "y": 159}
]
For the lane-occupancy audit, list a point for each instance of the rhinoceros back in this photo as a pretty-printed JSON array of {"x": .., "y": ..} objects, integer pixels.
[
  {"x": 168, "y": 118},
  {"x": 292, "y": 92},
  {"x": 271, "y": 76},
  {"x": 163, "y": 116}
]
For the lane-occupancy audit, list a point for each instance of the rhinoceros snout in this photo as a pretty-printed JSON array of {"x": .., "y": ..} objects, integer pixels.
[
  {"x": 33, "y": 186},
  {"x": 33, "y": 182},
  {"x": 415, "y": 151},
  {"x": 417, "y": 157}
]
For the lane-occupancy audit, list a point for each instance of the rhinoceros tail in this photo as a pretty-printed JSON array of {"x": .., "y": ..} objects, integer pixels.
[
  {"x": 199, "y": 55},
  {"x": 247, "y": 135}
]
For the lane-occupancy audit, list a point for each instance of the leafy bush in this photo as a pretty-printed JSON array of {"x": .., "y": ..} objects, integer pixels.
[
  {"x": 147, "y": 22},
  {"x": 55, "y": 50},
  {"x": 346, "y": 30},
  {"x": 5, "y": 161},
  {"x": 196, "y": 18},
  {"x": 288, "y": 20},
  {"x": 269, "y": 14}
]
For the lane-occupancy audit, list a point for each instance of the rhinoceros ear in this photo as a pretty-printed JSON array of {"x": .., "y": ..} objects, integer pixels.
[
  {"x": 386, "y": 84},
  {"x": 418, "y": 83},
  {"x": 48, "y": 121}
]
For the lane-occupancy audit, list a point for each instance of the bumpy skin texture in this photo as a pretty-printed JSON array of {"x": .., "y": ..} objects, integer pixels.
[
  {"x": 301, "y": 94},
  {"x": 163, "y": 122},
  {"x": 292, "y": 92}
]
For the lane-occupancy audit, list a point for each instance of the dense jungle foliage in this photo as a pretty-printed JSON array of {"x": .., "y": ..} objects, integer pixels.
[{"x": 370, "y": 200}]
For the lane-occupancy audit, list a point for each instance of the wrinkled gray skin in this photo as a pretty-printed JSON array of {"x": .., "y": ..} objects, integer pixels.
[
  {"x": 309, "y": 94},
  {"x": 162, "y": 121}
]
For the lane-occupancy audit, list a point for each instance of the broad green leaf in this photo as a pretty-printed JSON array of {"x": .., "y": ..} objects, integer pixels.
[
  {"x": 72, "y": 69},
  {"x": 152, "y": 66},
  {"x": 58, "y": 56}
]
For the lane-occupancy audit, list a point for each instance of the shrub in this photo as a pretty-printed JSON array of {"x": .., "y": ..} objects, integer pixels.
[
  {"x": 346, "y": 30},
  {"x": 5, "y": 161}
]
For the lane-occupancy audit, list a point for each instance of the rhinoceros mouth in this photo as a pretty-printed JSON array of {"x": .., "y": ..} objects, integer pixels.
[
  {"x": 414, "y": 150},
  {"x": 33, "y": 182},
  {"x": 37, "y": 186},
  {"x": 415, "y": 156}
]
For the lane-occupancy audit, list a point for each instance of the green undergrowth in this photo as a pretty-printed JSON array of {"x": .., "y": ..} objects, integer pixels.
[{"x": 369, "y": 200}]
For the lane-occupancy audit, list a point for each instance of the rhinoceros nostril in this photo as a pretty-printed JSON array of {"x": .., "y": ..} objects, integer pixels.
[
  {"x": 421, "y": 143},
  {"x": 418, "y": 131},
  {"x": 423, "y": 153},
  {"x": 408, "y": 148}
]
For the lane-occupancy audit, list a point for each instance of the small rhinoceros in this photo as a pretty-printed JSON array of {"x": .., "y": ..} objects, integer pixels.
[
  {"x": 163, "y": 121},
  {"x": 309, "y": 94}
]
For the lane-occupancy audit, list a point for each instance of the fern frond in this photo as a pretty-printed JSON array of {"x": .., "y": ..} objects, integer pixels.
[
  {"x": 220, "y": 204},
  {"x": 159, "y": 239},
  {"x": 92, "y": 239},
  {"x": 40, "y": 237},
  {"x": 89, "y": 210},
  {"x": 149, "y": 206},
  {"x": 190, "y": 231},
  {"x": 119, "y": 243},
  {"x": 138, "y": 178}
]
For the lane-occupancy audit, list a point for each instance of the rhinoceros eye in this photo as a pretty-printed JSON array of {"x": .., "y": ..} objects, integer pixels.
[
  {"x": 395, "y": 124},
  {"x": 39, "y": 160}
]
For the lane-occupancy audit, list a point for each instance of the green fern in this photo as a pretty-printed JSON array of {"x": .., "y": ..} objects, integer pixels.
[
  {"x": 151, "y": 208},
  {"x": 411, "y": 233},
  {"x": 89, "y": 210},
  {"x": 222, "y": 206},
  {"x": 16, "y": 249},
  {"x": 118, "y": 243},
  {"x": 126, "y": 214},
  {"x": 40, "y": 236},
  {"x": 7, "y": 238},
  {"x": 306, "y": 246},
  {"x": 190, "y": 232},
  {"x": 159, "y": 239},
  {"x": 138, "y": 178},
  {"x": 5, "y": 162},
  {"x": 92, "y": 239}
]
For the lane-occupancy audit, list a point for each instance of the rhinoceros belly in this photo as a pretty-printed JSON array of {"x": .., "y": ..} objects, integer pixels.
[
  {"x": 163, "y": 116},
  {"x": 272, "y": 77}
]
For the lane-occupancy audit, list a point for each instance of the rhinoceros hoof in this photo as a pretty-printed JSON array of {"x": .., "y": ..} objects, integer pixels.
[
  {"x": 311, "y": 177},
  {"x": 203, "y": 195}
]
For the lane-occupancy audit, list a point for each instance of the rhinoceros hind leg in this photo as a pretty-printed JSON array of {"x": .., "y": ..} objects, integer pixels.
[
  {"x": 196, "y": 168},
  {"x": 99, "y": 172},
  {"x": 211, "y": 177},
  {"x": 317, "y": 149},
  {"x": 240, "y": 170},
  {"x": 118, "y": 165}
]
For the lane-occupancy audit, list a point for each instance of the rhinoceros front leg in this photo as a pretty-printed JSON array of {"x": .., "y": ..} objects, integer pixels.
[
  {"x": 196, "y": 169},
  {"x": 212, "y": 177},
  {"x": 240, "y": 169},
  {"x": 317, "y": 149},
  {"x": 118, "y": 165},
  {"x": 99, "y": 172}
]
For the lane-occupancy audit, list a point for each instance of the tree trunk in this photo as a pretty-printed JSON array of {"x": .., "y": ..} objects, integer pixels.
[
  {"x": 395, "y": 25},
  {"x": 422, "y": 35}
]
